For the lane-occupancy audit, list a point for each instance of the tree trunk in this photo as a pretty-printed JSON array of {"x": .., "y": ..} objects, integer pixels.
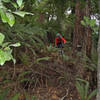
[
  {"x": 98, "y": 69},
  {"x": 89, "y": 42},
  {"x": 88, "y": 31},
  {"x": 79, "y": 30},
  {"x": 82, "y": 37}
]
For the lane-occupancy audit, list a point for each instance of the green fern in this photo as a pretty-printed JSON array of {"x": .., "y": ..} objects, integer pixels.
[
  {"x": 80, "y": 89},
  {"x": 93, "y": 93},
  {"x": 30, "y": 36},
  {"x": 83, "y": 88}
]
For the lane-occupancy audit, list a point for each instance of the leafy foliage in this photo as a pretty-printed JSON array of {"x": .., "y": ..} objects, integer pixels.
[
  {"x": 6, "y": 51},
  {"x": 90, "y": 23},
  {"x": 7, "y": 14},
  {"x": 32, "y": 37}
]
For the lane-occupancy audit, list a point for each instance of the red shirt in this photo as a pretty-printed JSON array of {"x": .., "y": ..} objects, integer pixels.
[{"x": 58, "y": 40}]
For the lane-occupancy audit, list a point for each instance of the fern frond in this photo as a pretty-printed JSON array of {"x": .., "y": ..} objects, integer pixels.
[
  {"x": 42, "y": 59},
  {"x": 93, "y": 93}
]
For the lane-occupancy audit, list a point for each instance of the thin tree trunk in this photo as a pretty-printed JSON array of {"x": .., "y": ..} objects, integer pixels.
[
  {"x": 41, "y": 18},
  {"x": 98, "y": 69}
]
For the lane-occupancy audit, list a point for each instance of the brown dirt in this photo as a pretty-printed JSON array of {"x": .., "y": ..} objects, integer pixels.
[{"x": 49, "y": 80}]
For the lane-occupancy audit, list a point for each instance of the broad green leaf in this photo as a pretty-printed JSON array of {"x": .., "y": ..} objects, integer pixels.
[
  {"x": 11, "y": 19},
  {"x": 8, "y": 55},
  {"x": 19, "y": 2},
  {"x": 2, "y": 58},
  {"x": 22, "y": 6},
  {"x": 5, "y": 44},
  {"x": 92, "y": 22},
  {"x": 2, "y": 62},
  {"x": 22, "y": 13},
  {"x": 87, "y": 20},
  {"x": 3, "y": 16},
  {"x": 5, "y": 56},
  {"x": 83, "y": 23},
  {"x": 2, "y": 37},
  {"x": 15, "y": 97},
  {"x": 7, "y": 49},
  {"x": 15, "y": 45},
  {"x": 14, "y": 4},
  {"x": 2, "y": 6},
  {"x": 95, "y": 28}
]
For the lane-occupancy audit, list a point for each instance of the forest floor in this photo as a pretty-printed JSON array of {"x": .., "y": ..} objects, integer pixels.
[{"x": 53, "y": 79}]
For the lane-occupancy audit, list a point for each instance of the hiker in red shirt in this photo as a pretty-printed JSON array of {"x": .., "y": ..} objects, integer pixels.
[{"x": 59, "y": 41}]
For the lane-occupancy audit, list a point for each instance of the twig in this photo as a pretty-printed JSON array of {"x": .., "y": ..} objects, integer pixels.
[{"x": 65, "y": 95}]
